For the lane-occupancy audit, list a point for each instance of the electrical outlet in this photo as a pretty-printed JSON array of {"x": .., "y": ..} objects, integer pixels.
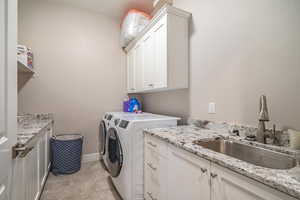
[{"x": 212, "y": 108}]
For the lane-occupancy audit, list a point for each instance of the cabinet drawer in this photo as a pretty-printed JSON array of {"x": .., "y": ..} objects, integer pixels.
[
  {"x": 153, "y": 163},
  {"x": 157, "y": 145},
  {"x": 155, "y": 166},
  {"x": 155, "y": 177}
]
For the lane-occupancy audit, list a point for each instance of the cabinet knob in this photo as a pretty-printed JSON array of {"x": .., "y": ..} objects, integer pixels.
[
  {"x": 151, "y": 166},
  {"x": 213, "y": 175},
  {"x": 151, "y": 85},
  {"x": 2, "y": 189},
  {"x": 151, "y": 144},
  {"x": 203, "y": 170}
]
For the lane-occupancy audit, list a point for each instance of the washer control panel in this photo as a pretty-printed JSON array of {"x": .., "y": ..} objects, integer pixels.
[
  {"x": 109, "y": 117},
  {"x": 124, "y": 124}
]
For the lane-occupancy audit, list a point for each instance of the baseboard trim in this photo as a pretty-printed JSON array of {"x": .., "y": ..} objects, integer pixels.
[{"x": 90, "y": 157}]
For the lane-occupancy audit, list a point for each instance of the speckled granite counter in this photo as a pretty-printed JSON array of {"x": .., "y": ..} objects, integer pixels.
[
  {"x": 29, "y": 125},
  {"x": 287, "y": 181}
]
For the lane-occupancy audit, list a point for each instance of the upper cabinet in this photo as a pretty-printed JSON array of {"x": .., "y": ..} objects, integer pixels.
[{"x": 158, "y": 58}]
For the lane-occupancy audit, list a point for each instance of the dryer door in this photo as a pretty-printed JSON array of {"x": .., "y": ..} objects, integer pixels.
[
  {"x": 102, "y": 137},
  {"x": 115, "y": 153}
]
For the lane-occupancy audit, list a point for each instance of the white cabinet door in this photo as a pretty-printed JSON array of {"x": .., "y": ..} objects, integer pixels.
[
  {"x": 8, "y": 94},
  {"x": 164, "y": 57},
  {"x": 148, "y": 61},
  {"x": 18, "y": 191},
  {"x": 131, "y": 72},
  {"x": 138, "y": 60},
  {"x": 228, "y": 185},
  {"x": 188, "y": 176},
  {"x": 31, "y": 174},
  {"x": 155, "y": 174},
  {"x": 42, "y": 161},
  {"x": 155, "y": 57},
  {"x": 47, "y": 148},
  {"x": 160, "y": 57},
  {"x": 148, "y": 185}
]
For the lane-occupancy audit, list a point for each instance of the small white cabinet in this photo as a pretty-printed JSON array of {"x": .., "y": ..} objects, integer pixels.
[
  {"x": 131, "y": 85},
  {"x": 31, "y": 167},
  {"x": 31, "y": 174},
  {"x": 49, "y": 132},
  {"x": 42, "y": 159},
  {"x": 155, "y": 168},
  {"x": 158, "y": 58},
  {"x": 191, "y": 172},
  {"x": 175, "y": 174},
  {"x": 226, "y": 184}
]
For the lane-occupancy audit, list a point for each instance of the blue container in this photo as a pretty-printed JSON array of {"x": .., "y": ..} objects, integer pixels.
[
  {"x": 134, "y": 105},
  {"x": 66, "y": 151}
]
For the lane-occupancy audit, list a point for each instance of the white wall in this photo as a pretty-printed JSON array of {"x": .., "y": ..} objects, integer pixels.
[
  {"x": 80, "y": 68},
  {"x": 240, "y": 49}
]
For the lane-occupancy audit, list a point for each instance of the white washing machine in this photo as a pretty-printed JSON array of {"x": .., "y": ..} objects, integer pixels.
[
  {"x": 103, "y": 127},
  {"x": 105, "y": 124},
  {"x": 125, "y": 158},
  {"x": 102, "y": 135}
]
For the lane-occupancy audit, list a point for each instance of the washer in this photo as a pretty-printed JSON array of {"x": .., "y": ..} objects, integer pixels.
[
  {"x": 104, "y": 125},
  {"x": 103, "y": 128},
  {"x": 125, "y": 146}
]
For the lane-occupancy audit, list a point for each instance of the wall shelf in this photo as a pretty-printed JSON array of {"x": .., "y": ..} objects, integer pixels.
[{"x": 24, "y": 69}]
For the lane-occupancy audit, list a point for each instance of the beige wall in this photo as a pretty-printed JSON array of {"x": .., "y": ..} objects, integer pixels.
[
  {"x": 80, "y": 68},
  {"x": 173, "y": 103},
  {"x": 240, "y": 49}
]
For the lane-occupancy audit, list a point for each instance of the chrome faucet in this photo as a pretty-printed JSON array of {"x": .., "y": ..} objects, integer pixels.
[{"x": 262, "y": 133}]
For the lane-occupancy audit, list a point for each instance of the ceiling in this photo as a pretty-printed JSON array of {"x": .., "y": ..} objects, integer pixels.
[{"x": 112, "y": 8}]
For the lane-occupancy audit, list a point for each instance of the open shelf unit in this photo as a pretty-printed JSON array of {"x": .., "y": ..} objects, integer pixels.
[{"x": 24, "y": 69}]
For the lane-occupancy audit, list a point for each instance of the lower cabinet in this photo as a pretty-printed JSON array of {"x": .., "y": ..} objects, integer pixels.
[
  {"x": 48, "y": 135},
  {"x": 226, "y": 184},
  {"x": 155, "y": 173},
  {"x": 186, "y": 176},
  {"x": 31, "y": 174},
  {"x": 42, "y": 160},
  {"x": 31, "y": 168}
]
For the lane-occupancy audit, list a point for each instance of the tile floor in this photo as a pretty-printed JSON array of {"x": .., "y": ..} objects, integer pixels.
[{"x": 90, "y": 183}]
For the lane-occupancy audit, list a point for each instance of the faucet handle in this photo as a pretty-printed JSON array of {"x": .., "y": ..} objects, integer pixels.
[
  {"x": 297, "y": 158},
  {"x": 276, "y": 137}
]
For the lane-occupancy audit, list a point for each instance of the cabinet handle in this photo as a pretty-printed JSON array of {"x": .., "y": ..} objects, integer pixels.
[
  {"x": 149, "y": 194},
  {"x": 2, "y": 189},
  {"x": 151, "y": 85},
  {"x": 203, "y": 170},
  {"x": 26, "y": 151},
  {"x": 151, "y": 166},
  {"x": 151, "y": 144},
  {"x": 213, "y": 175}
]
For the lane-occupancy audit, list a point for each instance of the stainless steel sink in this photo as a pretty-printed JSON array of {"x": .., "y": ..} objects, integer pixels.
[{"x": 254, "y": 155}]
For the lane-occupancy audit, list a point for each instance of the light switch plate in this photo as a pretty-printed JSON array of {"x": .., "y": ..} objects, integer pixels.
[{"x": 212, "y": 108}]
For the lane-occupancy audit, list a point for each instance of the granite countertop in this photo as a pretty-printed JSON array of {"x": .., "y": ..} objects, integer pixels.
[
  {"x": 30, "y": 125},
  {"x": 287, "y": 181}
]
